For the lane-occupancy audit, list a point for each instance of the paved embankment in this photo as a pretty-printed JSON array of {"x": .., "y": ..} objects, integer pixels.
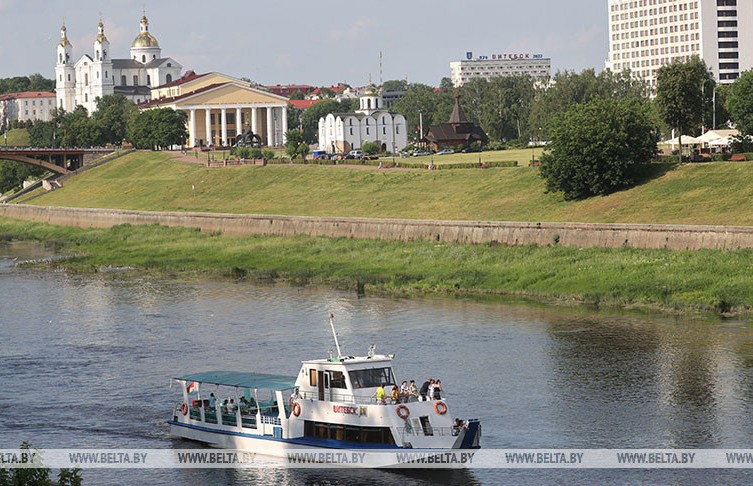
[{"x": 678, "y": 237}]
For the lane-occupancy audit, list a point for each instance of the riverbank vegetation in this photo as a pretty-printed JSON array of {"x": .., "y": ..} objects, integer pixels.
[
  {"x": 709, "y": 193},
  {"x": 675, "y": 281}
]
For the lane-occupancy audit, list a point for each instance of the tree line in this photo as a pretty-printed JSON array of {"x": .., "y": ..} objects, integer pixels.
[{"x": 116, "y": 120}]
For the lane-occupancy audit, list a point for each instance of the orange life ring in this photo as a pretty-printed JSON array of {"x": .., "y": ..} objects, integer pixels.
[
  {"x": 403, "y": 412},
  {"x": 184, "y": 408},
  {"x": 296, "y": 409},
  {"x": 440, "y": 408}
]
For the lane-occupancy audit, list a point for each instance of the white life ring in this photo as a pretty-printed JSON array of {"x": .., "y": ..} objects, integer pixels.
[
  {"x": 440, "y": 408},
  {"x": 403, "y": 412},
  {"x": 296, "y": 409}
]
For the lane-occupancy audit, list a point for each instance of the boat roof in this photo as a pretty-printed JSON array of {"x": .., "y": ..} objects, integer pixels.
[
  {"x": 240, "y": 379},
  {"x": 378, "y": 358}
]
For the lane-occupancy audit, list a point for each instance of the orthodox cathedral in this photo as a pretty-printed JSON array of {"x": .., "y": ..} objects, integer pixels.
[{"x": 98, "y": 75}]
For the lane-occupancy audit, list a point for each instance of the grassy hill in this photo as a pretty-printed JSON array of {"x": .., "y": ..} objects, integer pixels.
[
  {"x": 706, "y": 280},
  {"x": 17, "y": 137},
  {"x": 711, "y": 193}
]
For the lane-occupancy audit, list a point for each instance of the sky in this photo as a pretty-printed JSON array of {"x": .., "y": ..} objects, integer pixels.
[{"x": 303, "y": 42}]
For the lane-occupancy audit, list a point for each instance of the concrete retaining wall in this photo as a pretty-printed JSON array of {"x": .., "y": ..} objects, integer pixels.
[{"x": 678, "y": 237}]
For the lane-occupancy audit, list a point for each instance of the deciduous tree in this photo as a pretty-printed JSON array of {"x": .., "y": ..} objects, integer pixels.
[
  {"x": 598, "y": 147},
  {"x": 680, "y": 95}
]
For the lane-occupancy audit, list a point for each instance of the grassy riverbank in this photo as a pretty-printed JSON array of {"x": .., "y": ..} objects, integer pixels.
[
  {"x": 712, "y": 193},
  {"x": 678, "y": 281}
]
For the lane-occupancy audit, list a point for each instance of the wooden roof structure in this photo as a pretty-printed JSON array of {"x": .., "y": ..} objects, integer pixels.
[{"x": 458, "y": 131}]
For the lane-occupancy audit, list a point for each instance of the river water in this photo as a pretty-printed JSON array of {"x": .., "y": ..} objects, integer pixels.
[{"x": 85, "y": 362}]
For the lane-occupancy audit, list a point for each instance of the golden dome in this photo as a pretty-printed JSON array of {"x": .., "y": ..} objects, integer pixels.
[{"x": 145, "y": 39}]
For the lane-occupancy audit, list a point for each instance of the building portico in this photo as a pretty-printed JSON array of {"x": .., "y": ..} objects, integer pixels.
[
  {"x": 220, "y": 108},
  {"x": 221, "y": 125}
]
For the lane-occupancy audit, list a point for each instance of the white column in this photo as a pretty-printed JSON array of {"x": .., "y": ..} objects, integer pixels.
[
  {"x": 223, "y": 118},
  {"x": 192, "y": 128},
  {"x": 254, "y": 119},
  {"x": 284, "y": 123},
  {"x": 238, "y": 122},
  {"x": 270, "y": 128},
  {"x": 208, "y": 125}
]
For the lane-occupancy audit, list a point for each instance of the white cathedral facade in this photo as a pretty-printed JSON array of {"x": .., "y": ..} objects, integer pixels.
[
  {"x": 97, "y": 75},
  {"x": 342, "y": 132}
]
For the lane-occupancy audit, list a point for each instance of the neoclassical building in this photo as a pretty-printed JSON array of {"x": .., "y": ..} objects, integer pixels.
[
  {"x": 220, "y": 107},
  {"x": 343, "y": 132},
  {"x": 97, "y": 75}
]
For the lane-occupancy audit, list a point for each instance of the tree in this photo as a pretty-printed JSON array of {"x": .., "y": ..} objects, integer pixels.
[
  {"x": 297, "y": 95},
  {"x": 78, "y": 130},
  {"x": 419, "y": 102},
  {"x": 395, "y": 85},
  {"x": 295, "y": 145},
  {"x": 598, "y": 147},
  {"x": 680, "y": 95},
  {"x": 158, "y": 129},
  {"x": 370, "y": 148},
  {"x": 114, "y": 113},
  {"x": 568, "y": 88},
  {"x": 740, "y": 102}
]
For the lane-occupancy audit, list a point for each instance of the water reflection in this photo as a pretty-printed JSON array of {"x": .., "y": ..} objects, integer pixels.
[{"x": 103, "y": 347}]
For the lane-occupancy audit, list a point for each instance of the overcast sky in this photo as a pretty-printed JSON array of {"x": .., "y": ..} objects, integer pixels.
[{"x": 311, "y": 42}]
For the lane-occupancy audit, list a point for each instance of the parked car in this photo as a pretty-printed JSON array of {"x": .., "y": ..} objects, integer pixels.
[
  {"x": 468, "y": 150},
  {"x": 321, "y": 157},
  {"x": 445, "y": 152},
  {"x": 355, "y": 154},
  {"x": 421, "y": 153}
]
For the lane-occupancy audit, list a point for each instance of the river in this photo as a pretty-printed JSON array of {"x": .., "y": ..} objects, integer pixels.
[{"x": 85, "y": 362}]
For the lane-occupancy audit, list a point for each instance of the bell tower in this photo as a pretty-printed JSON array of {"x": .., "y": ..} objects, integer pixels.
[
  {"x": 102, "y": 83},
  {"x": 65, "y": 73}
]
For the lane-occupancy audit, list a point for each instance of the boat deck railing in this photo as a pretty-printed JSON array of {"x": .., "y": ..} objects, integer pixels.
[
  {"x": 355, "y": 399},
  {"x": 407, "y": 432}
]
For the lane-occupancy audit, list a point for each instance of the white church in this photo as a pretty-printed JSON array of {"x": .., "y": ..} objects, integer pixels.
[
  {"x": 343, "y": 132},
  {"x": 97, "y": 75}
]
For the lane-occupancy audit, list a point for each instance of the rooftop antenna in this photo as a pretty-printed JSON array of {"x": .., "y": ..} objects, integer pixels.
[
  {"x": 334, "y": 333},
  {"x": 381, "y": 82}
]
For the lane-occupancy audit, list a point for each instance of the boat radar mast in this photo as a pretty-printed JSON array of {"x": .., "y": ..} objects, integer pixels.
[{"x": 334, "y": 333}]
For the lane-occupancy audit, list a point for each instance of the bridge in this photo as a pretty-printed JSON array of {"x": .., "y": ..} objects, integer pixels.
[{"x": 58, "y": 160}]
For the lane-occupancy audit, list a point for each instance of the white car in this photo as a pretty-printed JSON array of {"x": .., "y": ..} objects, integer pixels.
[{"x": 445, "y": 152}]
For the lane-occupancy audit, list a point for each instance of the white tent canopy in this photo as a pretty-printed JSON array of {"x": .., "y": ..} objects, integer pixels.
[
  {"x": 686, "y": 140},
  {"x": 718, "y": 138}
]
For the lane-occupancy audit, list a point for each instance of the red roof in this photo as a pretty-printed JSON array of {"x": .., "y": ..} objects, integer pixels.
[
  {"x": 302, "y": 104},
  {"x": 188, "y": 76},
  {"x": 26, "y": 94}
]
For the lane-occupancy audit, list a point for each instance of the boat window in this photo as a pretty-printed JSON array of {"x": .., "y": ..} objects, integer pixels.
[
  {"x": 372, "y": 377},
  {"x": 337, "y": 379},
  {"x": 349, "y": 433},
  {"x": 312, "y": 377}
]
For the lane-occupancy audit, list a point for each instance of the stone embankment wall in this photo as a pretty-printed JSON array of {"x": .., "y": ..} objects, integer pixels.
[{"x": 678, "y": 237}]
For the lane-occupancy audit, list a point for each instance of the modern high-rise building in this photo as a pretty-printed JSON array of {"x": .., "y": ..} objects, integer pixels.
[
  {"x": 496, "y": 65},
  {"x": 644, "y": 35}
]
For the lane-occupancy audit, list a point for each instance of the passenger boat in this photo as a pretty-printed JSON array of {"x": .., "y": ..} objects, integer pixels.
[{"x": 330, "y": 405}]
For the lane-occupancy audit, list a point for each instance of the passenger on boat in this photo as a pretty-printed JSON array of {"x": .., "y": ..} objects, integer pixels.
[
  {"x": 424, "y": 390},
  {"x": 395, "y": 394},
  {"x": 431, "y": 389},
  {"x": 224, "y": 406},
  {"x": 212, "y": 401},
  {"x": 404, "y": 392},
  {"x": 379, "y": 393},
  {"x": 412, "y": 391},
  {"x": 438, "y": 390},
  {"x": 231, "y": 407}
]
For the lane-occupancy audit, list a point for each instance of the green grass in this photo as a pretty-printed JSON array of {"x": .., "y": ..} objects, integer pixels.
[
  {"x": 653, "y": 279},
  {"x": 17, "y": 137},
  {"x": 710, "y": 193}
]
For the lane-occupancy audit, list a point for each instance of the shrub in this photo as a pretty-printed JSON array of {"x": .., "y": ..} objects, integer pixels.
[{"x": 598, "y": 148}]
